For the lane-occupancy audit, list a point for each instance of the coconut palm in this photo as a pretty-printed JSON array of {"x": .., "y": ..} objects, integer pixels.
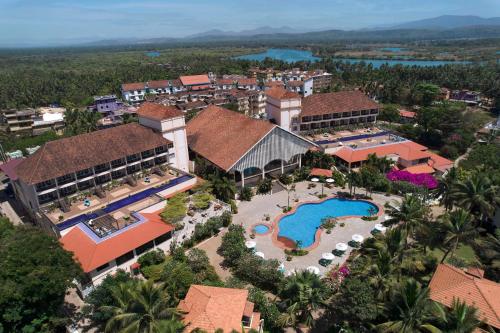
[
  {"x": 223, "y": 187},
  {"x": 445, "y": 185},
  {"x": 409, "y": 309},
  {"x": 476, "y": 194},
  {"x": 140, "y": 307},
  {"x": 458, "y": 228},
  {"x": 460, "y": 318},
  {"x": 302, "y": 293},
  {"x": 409, "y": 214},
  {"x": 381, "y": 271}
]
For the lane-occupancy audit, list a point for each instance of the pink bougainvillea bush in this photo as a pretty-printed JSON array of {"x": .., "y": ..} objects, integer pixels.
[{"x": 421, "y": 179}]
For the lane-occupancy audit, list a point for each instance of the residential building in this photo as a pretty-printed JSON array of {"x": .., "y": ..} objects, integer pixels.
[
  {"x": 17, "y": 121},
  {"x": 330, "y": 110},
  {"x": 195, "y": 106},
  {"x": 304, "y": 86},
  {"x": 450, "y": 283},
  {"x": 224, "y": 84},
  {"x": 406, "y": 116},
  {"x": 245, "y": 147},
  {"x": 106, "y": 105},
  {"x": 250, "y": 102},
  {"x": 135, "y": 92},
  {"x": 466, "y": 96},
  {"x": 247, "y": 83},
  {"x": 214, "y": 309},
  {"x": 48, "y": 119},
  {"x": 170, "y": 123},
  {"x": 322, "y": 80},
  {"x": 196, "y": 82},
  {"x": 283, "y": 107}
]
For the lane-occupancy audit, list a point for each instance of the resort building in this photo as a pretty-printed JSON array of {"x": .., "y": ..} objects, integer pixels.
[
  {"x": 303, "y": 87},
  {"x": 170, "y": 123},
  {"x": 283, "y": 107},
  {"x": 351, "y": 150},
  {"x": 214, "y": 309},
  {"x": 469, "y": 286},
  {"x": 247, "y": 148},
  {"x": 196, "y": 82}
]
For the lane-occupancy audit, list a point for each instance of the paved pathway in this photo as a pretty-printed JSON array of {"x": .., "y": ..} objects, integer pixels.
[{"x": 210, "y": 246}]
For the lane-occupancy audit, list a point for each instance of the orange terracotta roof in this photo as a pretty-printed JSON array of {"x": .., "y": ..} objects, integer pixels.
[
  {"x": 281, "y": 93},
  {"x": 420, "y": 168},
  {"x": 158, "y": 84},
  {"x": 440, "y": 163},
  {"x": 272, "y": 84},
  {"x": 223, "y": 136},
  {"x": 191, "y": 80},
  {"x": 212, "y": 308},
  {"x": 406, "y": 113},
  {"x": 158, "y": 111},
  {"x": 225, "y": 81},
  {"x": 91, "y": 255},
  {"x": 406, "y": 150},
  {"x": 320, "y": 172},
  {"x": 250, "y": 81},
  {"x": 133, "y": 86},
  {"x": 296, "y": 83},
  {"x": 335, "y": 102},
  {"x": 449, "y": 282}
]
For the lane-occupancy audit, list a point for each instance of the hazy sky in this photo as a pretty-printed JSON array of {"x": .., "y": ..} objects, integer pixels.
[{"x": 61, "y": 21}]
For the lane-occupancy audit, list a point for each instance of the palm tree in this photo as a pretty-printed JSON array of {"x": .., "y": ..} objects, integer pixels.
[
  {"x": 445, "y": 185},
  {"x": 460, "y": 318},
  {"x": 381, "y": 272},
  {"x": 409, "y": 308},
  {"x": 458, "y": 228},
  {"x": 170, "y": 326},
  {"x": 477, "y": 194},
  {"x": 302, "y": 293},
  {"x": 140, "y": 307},
  {"x": 223, "y": 187},
  {"x": 410, "y": 214},
  {"x": 383, "y": 164}
]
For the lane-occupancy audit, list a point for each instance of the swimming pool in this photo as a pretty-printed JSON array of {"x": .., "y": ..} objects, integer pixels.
[
  {"x": 260, "y": 229},
  {"x": 304, "y": 222}
]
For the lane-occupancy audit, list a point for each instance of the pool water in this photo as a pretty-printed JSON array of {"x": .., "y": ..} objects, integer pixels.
[
  {"x": 261, "y": 229},
  {"x": 303, "y": 223}
]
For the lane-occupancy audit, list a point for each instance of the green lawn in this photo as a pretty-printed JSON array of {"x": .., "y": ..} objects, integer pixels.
[{"x": 464, "y": 252}]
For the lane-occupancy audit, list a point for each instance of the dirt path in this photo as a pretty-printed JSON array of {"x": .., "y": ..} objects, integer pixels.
[{"x": 210, "y": 246}]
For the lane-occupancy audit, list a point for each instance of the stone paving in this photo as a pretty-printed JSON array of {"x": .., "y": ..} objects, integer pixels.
[{"x": 253, "y": 212}]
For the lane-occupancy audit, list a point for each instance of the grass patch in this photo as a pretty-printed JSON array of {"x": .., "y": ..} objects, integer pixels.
[{"x": 464, "y": 252}]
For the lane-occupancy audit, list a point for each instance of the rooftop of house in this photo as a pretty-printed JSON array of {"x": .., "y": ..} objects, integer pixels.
[
  {"x": 469, "y": 286},
  {"x": 158, "y": 84},
  {"x": 215, "y": 134},
  {"x": 133, "y": 86},
  {"x": 158, "y": 111},
  {"x": 211, "y": 308},
  {"x": 335, "y": 102},
  {"x": 247, "y": 81},
  {"x": 64, "y": 156},
  {"x": 281, "y": 93},
  {"x": 106, "y": 97},
  {"x": 190, "y": 80},
  {"x": 92, "y": 252},
  {"x": 407, "y": 114}
]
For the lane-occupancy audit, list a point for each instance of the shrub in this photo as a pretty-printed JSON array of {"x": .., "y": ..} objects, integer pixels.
[
  {"x": 202, "y": 200},
  {"x": 301, "y": 174},
  {"x": 421, "y": 179},
  {"x": 265, "y": 186},
  {"x": 338, "y": 178},
  {"x": 151, "y": 258},
  {"x": 153, "y": 272},
  {"x": 296, "y": 252},
  {"x": 227, "y": 219},
  {"x": 208, "y": 229},
  {"x": 175, "y": 209},
  {"x": 287, "y": 209},
  {"x": 234, "y": 208},
  {"x": 246, "y": 194},
  {"x": 285, "y": 179}
]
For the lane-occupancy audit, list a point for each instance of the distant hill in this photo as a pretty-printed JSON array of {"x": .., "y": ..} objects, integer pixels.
[
  {"x": 266, "y": 30},
  {"x": 449, "y": 22}
]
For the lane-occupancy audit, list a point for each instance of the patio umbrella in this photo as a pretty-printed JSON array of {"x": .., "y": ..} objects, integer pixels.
[
  {"x": 329, "y": 180},
  {"x": 380, "y": 227},
  {"x": 250, "y": 244},
  {"x": 387, "y": 217},
  {"x": 315, "y": 179},
  {"x": 328, "y": 256},
  {"x": 357, "y": 238},
  {"x": 313, "y": 269},
  {"x": 341, "y": 247},
  {"x": 260, "y": 254}
]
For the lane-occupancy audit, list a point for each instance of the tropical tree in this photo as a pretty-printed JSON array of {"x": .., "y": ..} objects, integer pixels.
[
  {"x": 382, "y": 164},
  {"x": 408, "y": 310},
  {"x": 302, "y": 293},
  {"x": 382, "y": 272},
  {"x": 445, "y": 186},
  {"x": 410, "y": 214},
  {"x": 79, "y": 122},
  {"x": 427, "y": 93},
  {"x": 476, "y": 194},
  {"x": 460, "y": 318},
  {"x": 458, "y": 228},
  {"x": 223, "y": 187},
  {"x": 141, "y": 307}
]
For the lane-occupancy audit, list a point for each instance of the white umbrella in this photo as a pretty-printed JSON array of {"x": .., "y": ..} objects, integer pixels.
[
  {"x": 315, "y": 179},
  {"x": 328, "y": 256},
  {"x": 313, "y": 269},
  {"x": 260, "y": 254},
  {"x": 290, "y": 272},
  {"x": 250, "y": 244},
  {"x": 357, "y": 238},
  {"x": 330, "y": 180},
  {"x": 341, "y": 247},
  {"x": 387, "y": 217},
  {"x": 380, "y": 227}
]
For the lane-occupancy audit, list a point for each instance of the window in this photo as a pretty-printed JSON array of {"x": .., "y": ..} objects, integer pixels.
[
  {"x": 143, "y": 248},
  {"x": 133, "y": 158},
  {"x": 65, "y": 179},
  {"x": 102, "y": 167},
  {"x": 45, "y": 185},
  {"x": 147, "y": 153},
  {"x": 102, "y": 267},
  {"x": 117, "y": 163},
  {"x": 84, "y": 173},
  {"x": 124, "y": 258},
  {"x": 163, "y": 238}
]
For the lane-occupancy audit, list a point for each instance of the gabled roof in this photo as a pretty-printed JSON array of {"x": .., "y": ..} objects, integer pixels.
[
  {"x": 9, "y": 167},
  {"x": 158, "y": 111},
  {"x": 190, "y": 80},
  {"x": 281, "y": 93},
  {"x": 407, "y": 150},
  {"x": 212, "y": 308},
  {"x": 247, "y": 81},
  {"x": 343, "y": 101},
  {"x": 449, "y": 282},
  {"x": 158, "y": 84},
  {"x": 133, "y": 86},
  {"x": 223, "y": 136},
  {"x": 91, "y": 254},
  {"x": 61, "y": 157}
]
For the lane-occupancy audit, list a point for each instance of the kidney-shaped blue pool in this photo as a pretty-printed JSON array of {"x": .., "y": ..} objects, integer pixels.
[{"x": 303, "y": 223}]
